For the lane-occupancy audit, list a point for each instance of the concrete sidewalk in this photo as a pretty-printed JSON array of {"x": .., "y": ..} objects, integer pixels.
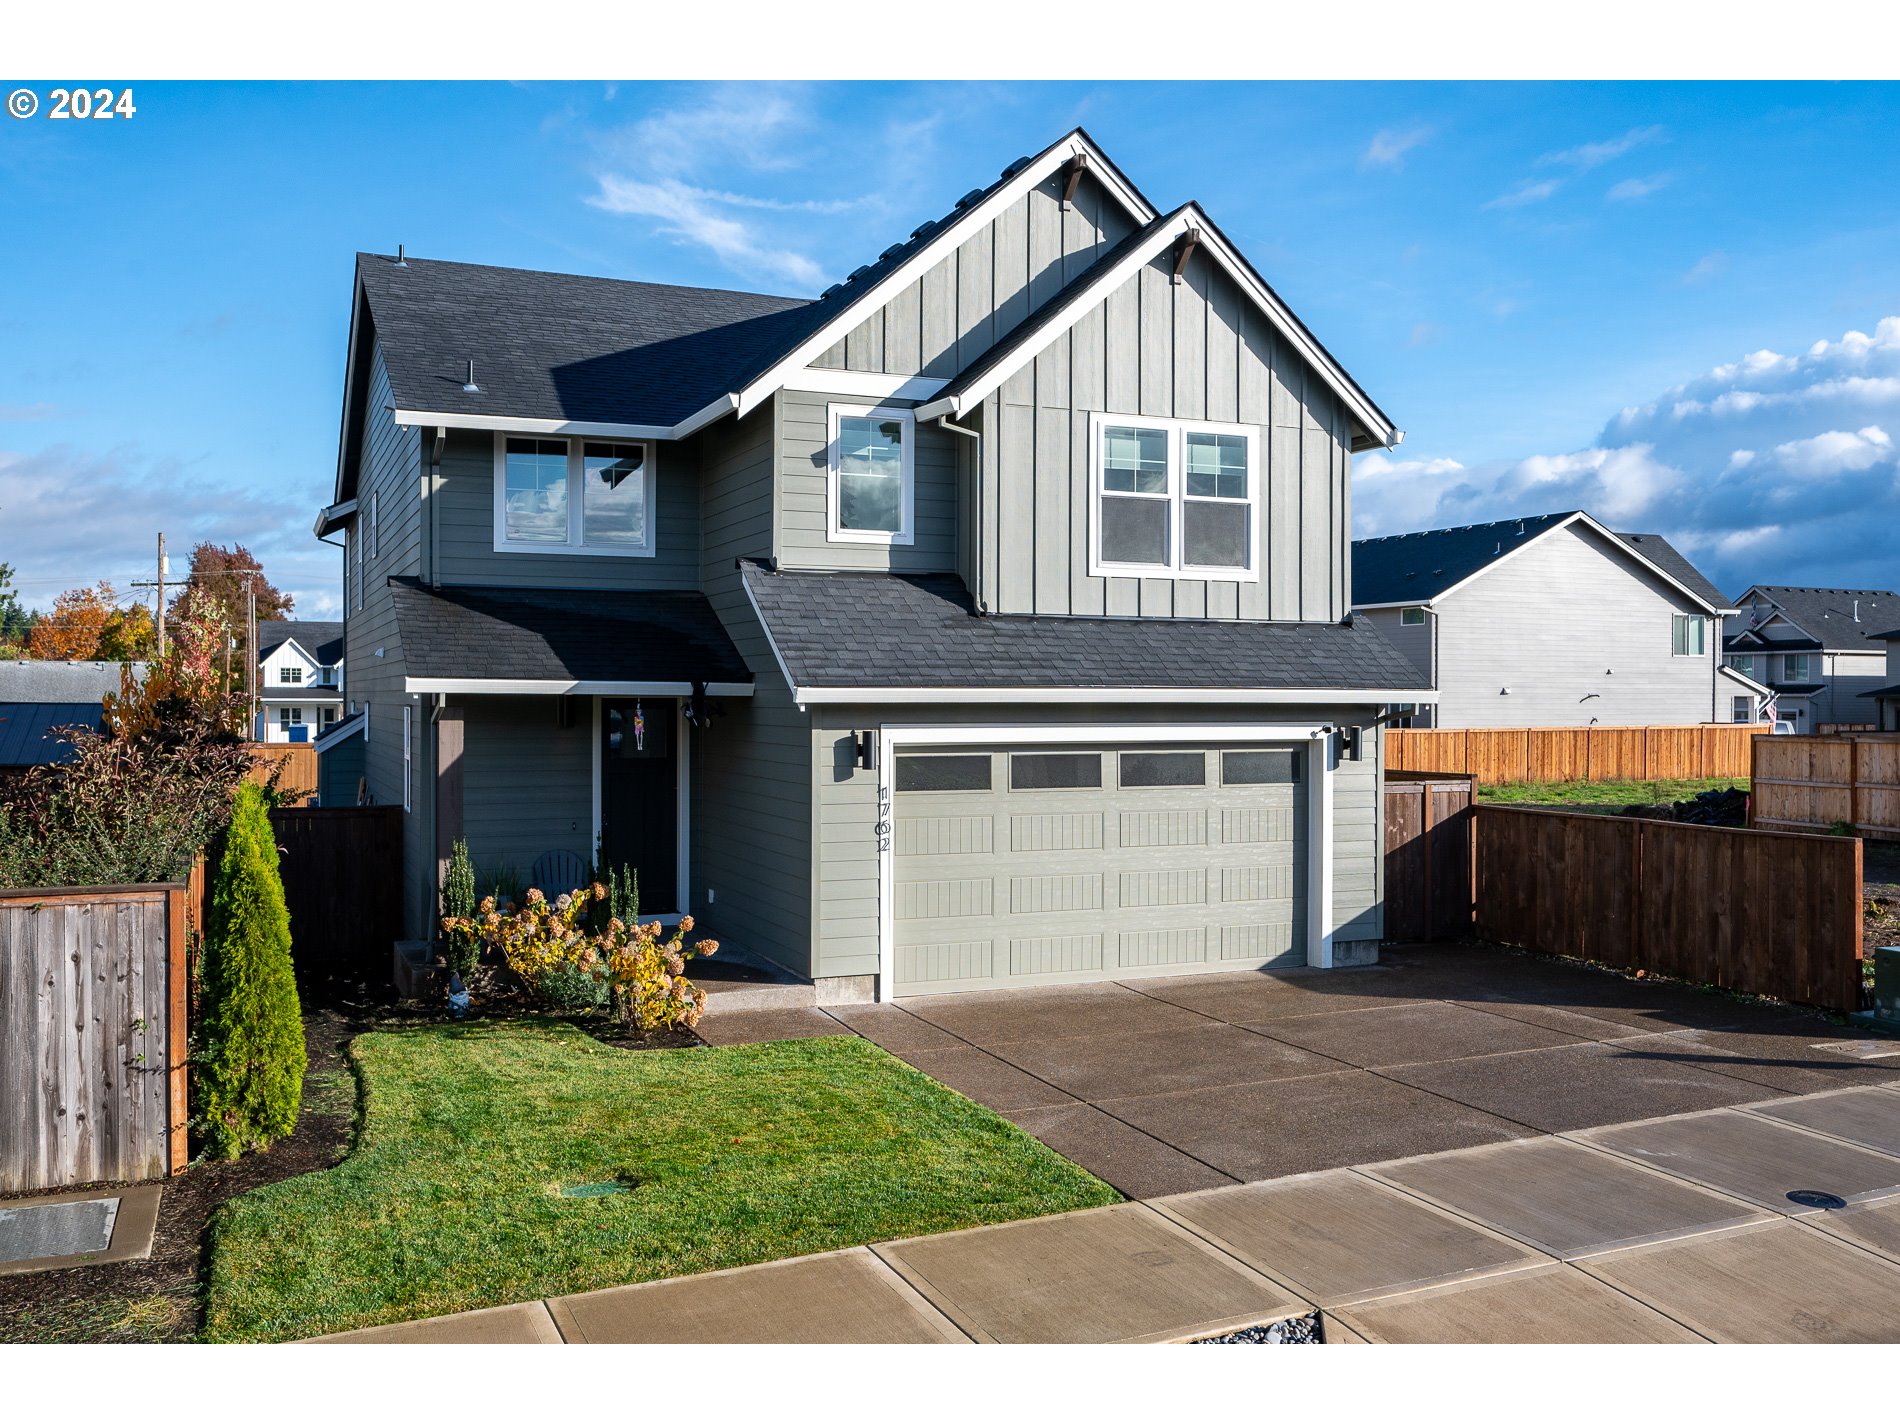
[{"x": 1776, "y": 1221}]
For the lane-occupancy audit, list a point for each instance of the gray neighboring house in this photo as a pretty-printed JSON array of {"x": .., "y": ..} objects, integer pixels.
[
  {"x": 1552, "y": 621},
  {"x": 1821, "y": 650},
  {"x": 981, "y": 623},
  {"x": 1886, "y": 700},
  {"x": 39, "y": 695}
]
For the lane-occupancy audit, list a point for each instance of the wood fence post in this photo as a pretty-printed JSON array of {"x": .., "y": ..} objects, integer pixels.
[{"x": 177, "y": 1030}]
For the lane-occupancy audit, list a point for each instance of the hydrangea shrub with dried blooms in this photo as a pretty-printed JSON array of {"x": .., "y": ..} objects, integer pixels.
[{"x": 644, "y": 969}]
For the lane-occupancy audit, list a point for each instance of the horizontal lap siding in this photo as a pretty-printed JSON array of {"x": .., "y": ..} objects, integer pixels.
[
  {"x": 1193, "y": 350},
  {"x": 528, "y": 783},
  {"x": 982, "y": 291},
  {"x": 751, "y": 784}
]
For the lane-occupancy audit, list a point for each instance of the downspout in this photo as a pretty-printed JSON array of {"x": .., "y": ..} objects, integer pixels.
[
  {"x": 975, "y": 534},
  {"x": 435, "y": 514}
]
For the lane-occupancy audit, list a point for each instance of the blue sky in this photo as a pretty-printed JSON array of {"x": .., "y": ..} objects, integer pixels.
[{"x": 1661, "y": 302}]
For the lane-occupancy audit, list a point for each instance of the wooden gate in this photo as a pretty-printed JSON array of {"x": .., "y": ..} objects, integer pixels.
[
  {"x": 1427, "y": 858},
  {"x": 342, "y": 870}
]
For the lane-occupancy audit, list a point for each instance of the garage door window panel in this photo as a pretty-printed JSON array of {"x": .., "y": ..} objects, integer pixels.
[
  {"x": 964, "y": 773},
  {"x": 1262, "y": 767},
  {"x": 1163, "y": 769},
  {"x": 1054, "y": 771}
]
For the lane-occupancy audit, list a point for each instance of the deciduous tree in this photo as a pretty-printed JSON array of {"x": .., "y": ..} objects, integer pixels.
[{"x": 76, "y": 625}]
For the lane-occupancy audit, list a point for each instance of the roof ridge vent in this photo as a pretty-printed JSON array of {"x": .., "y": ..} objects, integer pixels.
[{"x": 969, "y": 198}]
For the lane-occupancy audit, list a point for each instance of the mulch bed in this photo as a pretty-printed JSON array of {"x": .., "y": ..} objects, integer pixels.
[
  {"x": 1880, "y": 894},
  {"x": 160, "y": 1298}
]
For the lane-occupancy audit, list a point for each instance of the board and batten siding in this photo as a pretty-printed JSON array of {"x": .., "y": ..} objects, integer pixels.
[
  {"x": 1579, "y": 634},
  {"x": 1193, "y": 350},
  {"x": 845, "y": 815},
  {"x": 751, "y": 778},
  {"x": 980, "y": 293},
  {"x": 803, "y": 536},
  {"x": 464, "y": 523}
]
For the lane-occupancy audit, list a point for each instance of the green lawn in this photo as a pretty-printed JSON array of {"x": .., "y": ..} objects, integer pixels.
[
  {"x": 1590, "y": 796},
  {"x": 451, "y": 1198}
]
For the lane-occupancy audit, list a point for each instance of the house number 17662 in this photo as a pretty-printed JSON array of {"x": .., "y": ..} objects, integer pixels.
[{"x": 883, "y": 827}]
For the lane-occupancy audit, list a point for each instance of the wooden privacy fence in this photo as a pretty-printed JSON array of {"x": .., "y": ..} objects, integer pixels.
[
  {"x": 1495, "y": 755},
  {"x": 298, "y": 759},
  {"x": 1814, "y": 783},
  {"x": 92, "y": 1035},
  {"x": 342, "y": 870},
  {"x": 1427, "y": 857},
  {"x": 1771, "y": 913}
]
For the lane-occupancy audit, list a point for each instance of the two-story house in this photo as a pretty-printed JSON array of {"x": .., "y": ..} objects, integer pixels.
[
  {"x": 1552, "y": 621},
  {"x": 299, "y": 679},
  {"x": 983, "y": 622},
  {"x": 1819, "y": 649}
]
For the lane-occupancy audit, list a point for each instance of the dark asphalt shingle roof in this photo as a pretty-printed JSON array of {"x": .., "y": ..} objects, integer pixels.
[
  {"x": 26, "y": 738},
  {"x": 1893, "y": 692},
  {"x": 660, "y": 636},
  {"x": 921, "y": 631},
  {"x": 1753, "y": 640},
  {"x": 322, "y": 639},
  {"x": 1666, "y": 557},
  {"x": 1828, "y": 614}
]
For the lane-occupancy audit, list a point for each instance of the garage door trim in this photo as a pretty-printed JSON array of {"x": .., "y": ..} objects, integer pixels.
[{"x": 894, "y": 738}]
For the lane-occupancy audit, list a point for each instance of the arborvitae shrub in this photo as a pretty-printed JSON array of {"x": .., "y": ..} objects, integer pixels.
[{"x": 251, "y": 1056}]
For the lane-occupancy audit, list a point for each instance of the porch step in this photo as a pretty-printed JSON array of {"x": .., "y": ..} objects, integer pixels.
[{"x": 735, "y": 981}]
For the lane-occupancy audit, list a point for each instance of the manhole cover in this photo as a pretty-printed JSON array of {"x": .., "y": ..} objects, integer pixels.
[
  {"x": 1809, "y": 1197},
  {"x": 57, "y": 1229},
  {"x": 606, "y": 1189}
]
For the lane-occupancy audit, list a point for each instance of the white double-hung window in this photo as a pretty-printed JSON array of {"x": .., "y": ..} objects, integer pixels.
[
  {"x": 573, "y": 495},
  {"x": 1174, "y": 499},
  {"x": 870, "y": 484}
]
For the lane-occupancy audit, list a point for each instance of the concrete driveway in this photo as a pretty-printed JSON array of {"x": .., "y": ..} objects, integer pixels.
[{"x": 1165, "y": 1086}]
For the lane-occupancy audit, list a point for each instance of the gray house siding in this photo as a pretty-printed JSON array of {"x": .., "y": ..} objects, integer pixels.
[
  {"x": 528, "y": 784},
  {"x": 1418, "y": 642},
  {"x": 1847, "y": 676},
  {"x": 1578, "y": 634},
  {"x": 982, "y": 291},
  {"x": 751, "y": 783},
  {"x": 803, "y": 540},
  {"x": 464, "y": 523},
  {"x": 338, "y": 771},
  {"x": 1196, "y": 349},
  {"x": 846, "y": 860}
]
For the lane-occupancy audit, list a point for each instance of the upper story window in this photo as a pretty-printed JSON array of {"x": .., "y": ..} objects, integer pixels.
[
  {"x": 871, "y": 495},
  {"x": 1743, "y": 663},
  {"x": 1175, "y": 498},
  {"x": 1689, "y": 636},
  {"x": 564, "y": 495},
  {"x": 290, "y": 673},
  {"x": 1411, "y": 617},
  {"x": 1796, "y": 668}
]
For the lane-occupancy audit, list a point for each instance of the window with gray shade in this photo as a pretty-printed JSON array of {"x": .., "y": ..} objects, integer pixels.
[
  {"x": 535, "y": 498},
  {"x": 613, "y": 494},
  {"x": 1052, "y": 771},
  {"x": 1163, "y": 769},
  {"x": 964, "y": 772},
  {"x": 1264, "y": 767},
  {"x": 1135, "y": 495},
  {"x": 871, "y": 473},
  {"x": 1217, "y": 503}
]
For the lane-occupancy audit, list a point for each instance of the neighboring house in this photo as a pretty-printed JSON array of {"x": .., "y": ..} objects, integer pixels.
[
  {"x": 1820, "y": 650},
  {"x": 37, "y": 697},
  {"x": 1551, "y": 621},
  {"x": 980, "y": 623},
  {"x": 299, "y": 679},
  {"x": 1886, "y": 700},
  {"x": 342, "y": 762}
]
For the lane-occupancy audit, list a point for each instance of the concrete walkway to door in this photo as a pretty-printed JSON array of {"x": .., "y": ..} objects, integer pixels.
[{"x": 1165, "y": 1086}]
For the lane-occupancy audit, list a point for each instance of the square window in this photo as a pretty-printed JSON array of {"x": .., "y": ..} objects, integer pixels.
[
  {"x": 613, "y": 494},
  {"x": 1054, "y": 771},
  {"x": 1214, "y": 534},
  {"x": 1135, "y": 460},
  {"x": 1134, "y": 531},
  {"x": 1173, "y": 497},
  {"x": 1163, "y": 769},
  {"x": 965, "y": 772},
  {"x": 535, "y": 491},
  {"x": 1216, "y": 466}
]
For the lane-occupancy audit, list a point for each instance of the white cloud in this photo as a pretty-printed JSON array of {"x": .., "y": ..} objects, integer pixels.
[
  {"x": 1713, "y": 265},
  {"x": 696, "y": 215},
  {"x": 1631, "y": 189},
  {"x": 1767, "y": 468},
  {"x": 1593, "y": 155},
  {"x": 1526, "y": 192},
  {"x": 1389, "y": 147}
]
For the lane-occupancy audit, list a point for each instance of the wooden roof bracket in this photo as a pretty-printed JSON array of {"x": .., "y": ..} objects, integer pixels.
[
  {"x": 1072, "y": 178},
  {"x": 1183, "y": 250}
]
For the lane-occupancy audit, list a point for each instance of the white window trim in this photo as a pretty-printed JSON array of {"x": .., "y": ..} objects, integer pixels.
[
  {"x": 375, "y": 528},
  {"x": 1685, "y": 621},
  {"x": 575, "y": 494},
  {"x": 1177, "y": 498},
  {"x": 834, "y": 530},
  {"x": 355, "y": 537},
  {"x": 408, "y": 724},
  {"x": 1407, "y": 622}
]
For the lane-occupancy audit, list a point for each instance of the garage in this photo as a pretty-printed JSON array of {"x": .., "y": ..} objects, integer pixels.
[{"x": 1048, "y": 864}]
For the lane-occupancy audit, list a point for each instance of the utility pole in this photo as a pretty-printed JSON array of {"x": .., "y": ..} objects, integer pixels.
[
  {"x": 250, "y": 646},
  {"x": 161, "y": 595}
]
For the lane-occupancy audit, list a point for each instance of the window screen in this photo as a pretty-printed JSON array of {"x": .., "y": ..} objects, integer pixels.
[
  {"x": 1266, "y": 767},
  {"x": 1163, "y": 769},
  {"x": 966, "y": 772},
  {"x": 1214, "y": 534},
  {"x": 1047, "y": 771},
  {"x": 1135, "y": 497}
]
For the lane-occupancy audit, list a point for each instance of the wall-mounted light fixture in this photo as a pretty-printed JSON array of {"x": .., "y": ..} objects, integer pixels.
[
  {"x": 1350, "y": 743},
  {"x": 864, "y": 748}
]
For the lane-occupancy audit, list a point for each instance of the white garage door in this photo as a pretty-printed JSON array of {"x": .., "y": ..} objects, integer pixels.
[{"x": 1044, "y": 865}]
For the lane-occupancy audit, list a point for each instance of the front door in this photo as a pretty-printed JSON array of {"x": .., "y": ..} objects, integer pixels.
[{"x": 639, "y": 796}]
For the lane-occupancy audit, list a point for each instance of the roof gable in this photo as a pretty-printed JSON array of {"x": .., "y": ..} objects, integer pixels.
[{"x": 1839, "y": 620}]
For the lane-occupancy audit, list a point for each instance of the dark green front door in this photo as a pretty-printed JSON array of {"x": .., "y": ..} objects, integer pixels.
[{"x": 639, "y": 796}]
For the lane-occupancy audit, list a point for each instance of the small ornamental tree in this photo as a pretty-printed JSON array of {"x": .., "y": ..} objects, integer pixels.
[{"x": 251, "y": 1061}]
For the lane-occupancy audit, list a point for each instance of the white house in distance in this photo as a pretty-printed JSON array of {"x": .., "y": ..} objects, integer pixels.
[
  {"x": 1552, "y": 621},
  {"x": 1821, "y": 650},
  {"x": 299, "y": 679}
]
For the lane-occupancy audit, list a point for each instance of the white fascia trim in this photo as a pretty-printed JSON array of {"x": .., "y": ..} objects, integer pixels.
[
  {"x": 946, "y": 241},
  {"x": 521, "y": 425},
  {"x": 579, "y": 687},
  {"x": 1067, "y": 316},
  {"x": 868, "y": 385},
  {"x": 1290, "y": 697},
  {"x": 1759, "y": 689},
  {"x": 341, "y": 729},
  {"x": 332, "y": 517}
]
